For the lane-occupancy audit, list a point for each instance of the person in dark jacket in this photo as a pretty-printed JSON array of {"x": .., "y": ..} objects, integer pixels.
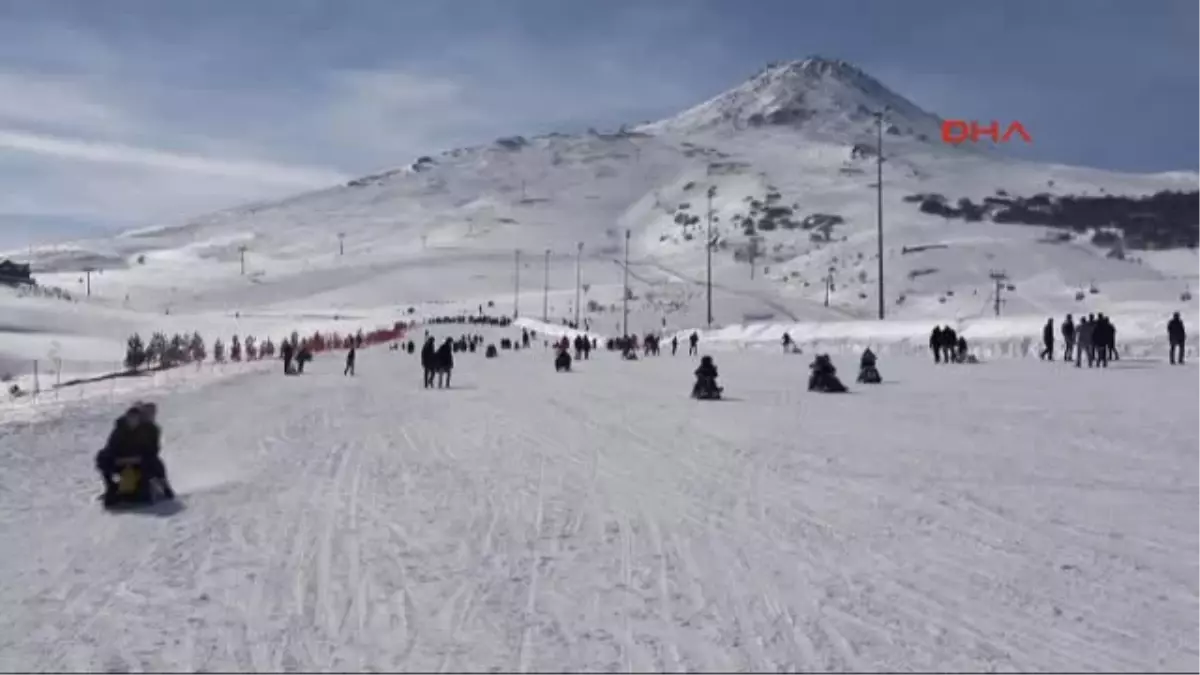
[
  {"x": 674, "y": 344},
  {"x": 134, "y": 434},
  {"x": 960, "y": 350},
  {"x": 1083, "y": 341},
  {"x": 1102, "y": 339},
  {"x": 444, "y": 363},
  {"x": 1112, "y": 342},
  {"x": 122, "y": 442},
  {"x": 868, "y": 372},
  {"x": 935, "y": 343},
  {"x": 350, "y": 361},
  {"x": 148, "y": 441},
  {"x": 1047, "y": 341},
  {"x": 1068, "y": 333},
  {"x": 287, "y": 351},
  {"x": 949, "y": 344},
  {"x": 706, "y": 379},
  {"x": 707, "y": 369},
  {"x": 429, "y": 360},
  {"x": 693, "y": 341},
  {"x": 1176, "y": 337},
  {"x": 823, "y": 376}
]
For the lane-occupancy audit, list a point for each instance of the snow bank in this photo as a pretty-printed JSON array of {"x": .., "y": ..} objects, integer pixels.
[
  {"x": 1018, "y": 336},
  {"x": 554, "y": 330}
]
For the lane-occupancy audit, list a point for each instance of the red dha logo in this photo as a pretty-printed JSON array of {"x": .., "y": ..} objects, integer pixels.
[{"x": 959, "y": 131}]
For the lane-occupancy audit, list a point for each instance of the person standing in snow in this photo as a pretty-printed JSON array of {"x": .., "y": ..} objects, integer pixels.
[
  {"x": 693, "y": 342},
  {"x": 1083, "y": 341},
  {"x": 1047, "y": 341},
  {"x": 674, "y": 344},
  {"x": 429, "y": 360},
  {"x": 444, "y": 362},
  {"x": 1101, "y": 339},
  {"x": 1068, "y": 333},
  {"x": 1176, "y": 336},
  {"x": 935, "y": 343},
  {"x": 949, "y": 344},
  {"x": 287, "y": 350},
  {"x": 350, "y": 361},
  {"x": 1112, "y": 342},
  {"x": 787, "y": 342}
]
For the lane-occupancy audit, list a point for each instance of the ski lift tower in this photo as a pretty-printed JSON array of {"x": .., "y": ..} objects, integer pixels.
[{"x": 1000, "y": 280}]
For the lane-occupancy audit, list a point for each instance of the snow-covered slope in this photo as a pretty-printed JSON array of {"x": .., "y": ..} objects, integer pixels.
[
  {"x": 439, "y": 234},
  {"x": 601, "y": 521}
]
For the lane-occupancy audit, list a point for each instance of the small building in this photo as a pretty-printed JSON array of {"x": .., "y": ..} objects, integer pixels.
[{"x": 15, "y": 274}]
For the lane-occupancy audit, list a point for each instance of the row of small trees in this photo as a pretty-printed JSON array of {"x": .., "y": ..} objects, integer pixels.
[{"x": 168, "y": 352}]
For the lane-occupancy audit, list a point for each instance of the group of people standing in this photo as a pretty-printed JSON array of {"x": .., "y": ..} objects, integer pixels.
[
  {"x": 947, "y": 345},
  {"x": 437, "y": 362},
  {"x": 1094, "y": 339}
]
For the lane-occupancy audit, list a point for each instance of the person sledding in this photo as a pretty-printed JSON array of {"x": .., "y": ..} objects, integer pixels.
[
  {"x": 562, "y": 359},
  {"x": 823, "y": 377},
  {"x": 130, "y": 465},
  {"x": 867, "y": 372},
  {"x": 706, "y": 380}
]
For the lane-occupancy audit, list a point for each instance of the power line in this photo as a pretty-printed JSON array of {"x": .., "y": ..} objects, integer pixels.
[
  {"x": 879, "y": 200},
  {"x": 708, "y": 246}
]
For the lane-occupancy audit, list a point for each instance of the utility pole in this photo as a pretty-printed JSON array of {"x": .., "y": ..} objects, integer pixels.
[
  {"x": 755, "y": 242},
  {"x": 998, "y": 278},
  {"x": 578, "y": 278},
  {"x": 625, "y": 294},
  {"x": 87, "y": 271},
  {"x": 828, "y": 285},
  {"x": 712, "y": 190},
  {"x": 879, "y": 199},
  {"x": 516, "y": 281},
  {"x": 546, "y": 291},
  {"x": 341, "y": 243},
  {"x": 242, "y": 256}
]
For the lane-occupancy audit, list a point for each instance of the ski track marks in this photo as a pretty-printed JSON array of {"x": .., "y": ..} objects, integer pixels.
[{"x": 528, "y": 521}]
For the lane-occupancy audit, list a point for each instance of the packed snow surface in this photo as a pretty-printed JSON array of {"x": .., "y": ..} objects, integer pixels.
[{"x": 999, "y": 516}]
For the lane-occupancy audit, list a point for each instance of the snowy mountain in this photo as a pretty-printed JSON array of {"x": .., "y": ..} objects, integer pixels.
[
  {"x": 788, "y": 156},
  {"x": 818, "y": 96}
]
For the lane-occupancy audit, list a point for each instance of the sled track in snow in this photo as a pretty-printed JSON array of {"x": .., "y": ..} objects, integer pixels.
[{"x": 602, "y": 520}]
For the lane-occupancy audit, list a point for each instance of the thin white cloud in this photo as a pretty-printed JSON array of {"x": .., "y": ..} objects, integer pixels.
[
  {"x": 387, "y": 111},
  {"x": 28, "y": 99},
  {"x": 112, "y": 153}
]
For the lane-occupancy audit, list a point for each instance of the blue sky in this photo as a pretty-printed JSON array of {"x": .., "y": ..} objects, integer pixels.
[{"x": 130, "y": 112}]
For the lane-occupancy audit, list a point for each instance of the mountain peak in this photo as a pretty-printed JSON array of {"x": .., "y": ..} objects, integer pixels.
[{"x": 815, "y": 94}]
